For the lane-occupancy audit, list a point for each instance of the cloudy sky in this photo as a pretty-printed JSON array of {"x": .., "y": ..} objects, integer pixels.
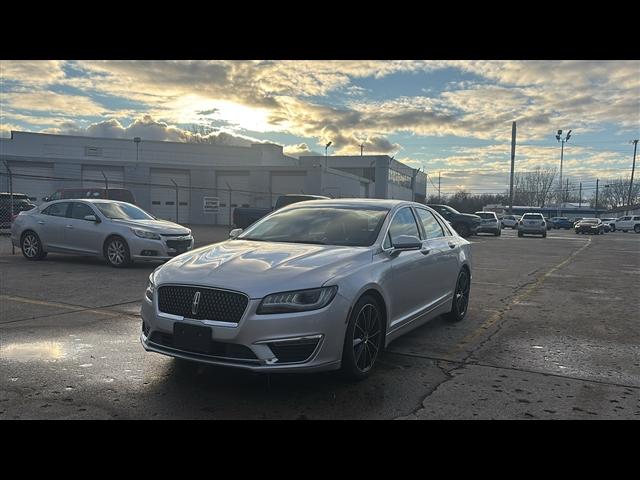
[{"x": 452, "y": 117}]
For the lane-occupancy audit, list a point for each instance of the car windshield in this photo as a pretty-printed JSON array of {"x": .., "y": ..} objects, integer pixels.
[
  {"x": 122, "y": 211},
  {"x": 358, "y": 227}
]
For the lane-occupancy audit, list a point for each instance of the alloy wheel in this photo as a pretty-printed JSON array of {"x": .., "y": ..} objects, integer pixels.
[
  {"x": 366, "y": 337},
  {"x": 116, "y": 252},
  {"x": 30, "y": 245},
  {"x": 462, "y": 293}
]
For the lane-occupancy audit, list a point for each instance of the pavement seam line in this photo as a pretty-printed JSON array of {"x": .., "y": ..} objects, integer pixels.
[{"x": 522, "y": 292}]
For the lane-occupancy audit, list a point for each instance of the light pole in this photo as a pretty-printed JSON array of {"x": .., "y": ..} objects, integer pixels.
[
  {"x": 635, "y": 147},
  {"x": 562, "y": 142},
  {"x": 137, "y": 141},
  {"x": 326, "y": 149}
]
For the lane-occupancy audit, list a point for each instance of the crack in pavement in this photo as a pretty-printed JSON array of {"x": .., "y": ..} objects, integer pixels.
[{"x": 519, "y": 293}]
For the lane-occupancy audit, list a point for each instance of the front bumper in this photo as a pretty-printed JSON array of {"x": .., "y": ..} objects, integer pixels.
[
  {"x": 263, "y": 336},
  {"x": 164, "y": 249}
]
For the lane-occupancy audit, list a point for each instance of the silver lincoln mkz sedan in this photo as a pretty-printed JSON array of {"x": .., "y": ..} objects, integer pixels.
[{"x": 318, "y": 285}]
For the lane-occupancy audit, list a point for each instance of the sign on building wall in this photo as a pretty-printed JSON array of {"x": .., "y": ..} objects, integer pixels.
[{"x": 210, "y": 204}]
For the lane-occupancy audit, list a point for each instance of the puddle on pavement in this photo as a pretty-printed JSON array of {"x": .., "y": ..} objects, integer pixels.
[{"x": 32, "y": 351}]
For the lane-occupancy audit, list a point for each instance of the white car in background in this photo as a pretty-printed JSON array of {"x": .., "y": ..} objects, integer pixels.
[
  {"x": 532, "y": 223},
  {"x": 510, "y": 221},
  {"x": 489, "y": 223},
  {"x": 630, "y": 222}
]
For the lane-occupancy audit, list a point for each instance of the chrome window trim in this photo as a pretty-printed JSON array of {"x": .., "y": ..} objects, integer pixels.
[{"x": 410, "y": 207}]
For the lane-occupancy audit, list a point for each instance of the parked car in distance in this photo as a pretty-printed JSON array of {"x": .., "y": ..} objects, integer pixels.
[
  {"x": 118, "y": 231},
  {"x": 532, "y": 223},
  {"x": 510, "y": 221},
  {"x": 560, "y": 222},
  {"x": 590, "y": 225},
  {"x": 245, "y": 216},
  {"x": 489, "y": 223},
  {"x": 119, "y": 194},
  {"x": 21, "y": 203},
  {"x": 463, "y": 223},
  {"x": 319, "y": 285},
  {"x": 609, "y": 224},
  {"x": 627, "y": 223}
]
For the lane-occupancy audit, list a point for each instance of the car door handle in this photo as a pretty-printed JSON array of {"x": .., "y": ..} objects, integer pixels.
[
  {"x": 69, "y": 226},
  {"x": 452, "y": 245},
  {"x": 40, "y": 222}
]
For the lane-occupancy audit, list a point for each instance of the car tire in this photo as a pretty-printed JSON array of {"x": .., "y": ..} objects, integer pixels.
[
  {"x": 498, "y": 233},
  {"x": 544, "y": 235},
  {"x": 636, "y": 228},
  {"x": 31, "y": 246},
  {"x": 460, "y": 304},
  {"x": 364, "y": 338},
  {"x": 116, "y": 252},
  {"x": 613, "y": 228},
  {"x": 520, "y": 234},
  {"x": 462, "y": 229}
]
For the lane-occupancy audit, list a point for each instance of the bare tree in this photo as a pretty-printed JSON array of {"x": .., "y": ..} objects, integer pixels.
[
  {"x": 534, "y": 188},
  {"x": 614, "y": 193}
]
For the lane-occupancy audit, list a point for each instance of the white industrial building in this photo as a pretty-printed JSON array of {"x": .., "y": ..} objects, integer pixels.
[{"x": 39, "y": 164}]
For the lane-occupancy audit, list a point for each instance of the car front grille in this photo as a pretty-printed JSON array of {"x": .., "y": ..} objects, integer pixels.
[
  {"x": 214, "y": 304},
  {"x": 216, "y": 349}
]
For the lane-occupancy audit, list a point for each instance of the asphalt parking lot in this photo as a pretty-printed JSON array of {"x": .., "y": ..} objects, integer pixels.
[{"x": 553, "y": 332}]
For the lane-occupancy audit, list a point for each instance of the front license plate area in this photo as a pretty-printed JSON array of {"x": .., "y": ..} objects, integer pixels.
[{"x": 192, "y": 338}]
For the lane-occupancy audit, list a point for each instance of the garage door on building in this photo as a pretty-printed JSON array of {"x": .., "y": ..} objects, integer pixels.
[
  {"x": 163, "y": 194},
  {"x": 34, "y": 179},
  {"x": 283, "y": 183},
  {"x": 92, "y": 176},
  {"x": 238, "y": 182}
]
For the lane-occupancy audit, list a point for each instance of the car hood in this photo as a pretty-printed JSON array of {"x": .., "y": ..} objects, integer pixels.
[
  {"x": 157, "y": 226},
  {"x": 261, "y": 268},
  {"x": 470, "y": 216}
]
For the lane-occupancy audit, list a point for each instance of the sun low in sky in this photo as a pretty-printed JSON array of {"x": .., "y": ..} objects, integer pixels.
[{"x": 452, "y": 117}]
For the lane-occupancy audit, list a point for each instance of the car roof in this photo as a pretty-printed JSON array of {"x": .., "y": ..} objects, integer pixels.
[
  {"x": 387, "y": 204},
  {"x": 87, "y": 200}
]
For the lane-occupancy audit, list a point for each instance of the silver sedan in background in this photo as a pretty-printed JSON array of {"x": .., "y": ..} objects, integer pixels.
[
  {"x": 318, "y": 285},
  {"x": 118, "y": 231}
]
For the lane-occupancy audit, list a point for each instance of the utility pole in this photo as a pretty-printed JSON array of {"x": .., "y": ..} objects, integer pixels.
[
  {"x": 635, "y": 147},
  {"x": 513, "y": 158},
  {"x": 361, "y": 148},
  {"x": 580, "y": 196},
  {"x": 597, "y": 183},
  {"x": 439, "y": 196},
  {"x": 566, "y": 191}
]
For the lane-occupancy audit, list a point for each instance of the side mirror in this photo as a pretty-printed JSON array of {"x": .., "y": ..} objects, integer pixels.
[
  {"x": 45, "y": 199},
  {"x": 92, "y": 218},
  {"x": 407, "y": 242},
  {"x": 235, "y": 232}
]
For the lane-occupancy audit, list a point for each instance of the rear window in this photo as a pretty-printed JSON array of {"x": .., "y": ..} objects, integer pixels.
[
  {"x": 486, "y": 215},
  {"x": 532, "y": 216}
]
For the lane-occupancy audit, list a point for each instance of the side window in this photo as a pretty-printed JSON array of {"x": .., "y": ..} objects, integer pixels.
[
  {"x": 404, "y": 223},
  {"x": 81, "y": 210},
  {"x": 432, "y": 228},
  {"x": 57, "y": 209},
  {"x": 636, "y": 219}
]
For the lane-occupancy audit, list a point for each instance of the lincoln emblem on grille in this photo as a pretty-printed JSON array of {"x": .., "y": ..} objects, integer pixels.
[{"x": 194, "y": 305}]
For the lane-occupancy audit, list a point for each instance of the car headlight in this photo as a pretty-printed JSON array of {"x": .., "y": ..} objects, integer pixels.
[
  {"x": 297, "y": 301},
  {"x": 146, "y": 234},
  {"x": 151, "y": 288}
]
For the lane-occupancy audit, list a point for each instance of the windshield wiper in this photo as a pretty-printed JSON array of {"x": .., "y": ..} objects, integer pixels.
[{"x": 311, "y": 242}]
